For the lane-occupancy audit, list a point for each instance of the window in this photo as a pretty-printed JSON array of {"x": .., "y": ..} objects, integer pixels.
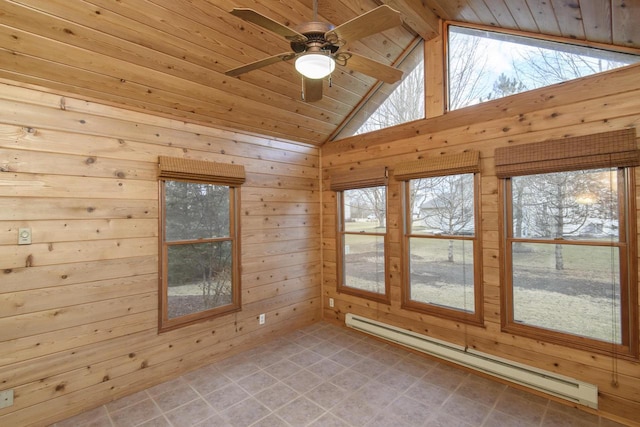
[
  {"x": 485, "y": 65},
  {"x": 441, "y": 263},
  {"x": 569, "y": 243},
  {"x": 199, "y": 242},
  {"x": 362, "y": 234},
  {"x": 395, "y": 104}
]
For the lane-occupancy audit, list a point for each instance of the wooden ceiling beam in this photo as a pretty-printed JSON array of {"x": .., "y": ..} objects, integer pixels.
[{"x": 419, "y": 18}]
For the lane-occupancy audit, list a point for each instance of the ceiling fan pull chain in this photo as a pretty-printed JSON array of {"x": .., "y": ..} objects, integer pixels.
[{"x": 302, "y": 88}]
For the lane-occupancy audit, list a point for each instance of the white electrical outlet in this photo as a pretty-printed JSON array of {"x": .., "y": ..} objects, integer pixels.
[
  {"x": 331, "y": 302},
  {"x": 262, "y": 319},
  {"x": 6, "y": 398}
]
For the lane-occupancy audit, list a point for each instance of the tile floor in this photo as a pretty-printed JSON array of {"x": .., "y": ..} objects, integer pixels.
[{"x": 325, "y": 375}]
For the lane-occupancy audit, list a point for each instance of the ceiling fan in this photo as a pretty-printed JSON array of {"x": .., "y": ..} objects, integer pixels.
[{"x": 316, "y": 47}]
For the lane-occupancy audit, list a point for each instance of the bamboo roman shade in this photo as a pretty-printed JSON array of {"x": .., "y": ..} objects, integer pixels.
[
  {"x": 602, "y": 150},
  {"x": 201, "y": 171},
  {"x": 359, "y": 178},
  {"x": 448, "y": 164}
]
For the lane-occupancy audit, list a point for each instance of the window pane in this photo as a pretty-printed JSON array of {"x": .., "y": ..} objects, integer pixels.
[
  {"x": 442, "y": 205},
  {"x": 568, "y": 288},
  {"x": 442, "y": 272},
  {"x": 485, "y": 65},
  {"x": 364, "y": 210},
  {"x": 404, "y": 104},
  {"x": 364, "y": 262},
  {"x": 196, "y": 211},
  {"x": 392, "y": 104},
  {"x": 199, "y": 277},
  {"x": 580, "y": 205}
]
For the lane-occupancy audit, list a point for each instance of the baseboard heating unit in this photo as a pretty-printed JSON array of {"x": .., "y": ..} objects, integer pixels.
[{"x": 547, "y": 382}]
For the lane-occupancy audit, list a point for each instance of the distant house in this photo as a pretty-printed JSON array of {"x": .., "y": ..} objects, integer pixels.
[{"x": 592, "y": 227}]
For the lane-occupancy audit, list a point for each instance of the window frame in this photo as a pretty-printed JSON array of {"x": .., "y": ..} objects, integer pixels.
[
  {"x": 166, "y": 324},
  {"x": 477, "y": 316},
  {"x": 341, "y": 287},
  {"x": 627, "y": 287}
]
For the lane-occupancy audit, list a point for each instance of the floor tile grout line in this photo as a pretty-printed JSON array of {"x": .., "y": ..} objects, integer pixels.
[
  {"x": 346, "y": 342},
  {"x": 495, "y": 404},
  {"x": 544, "y": 413},
  {"x": 159, "y": 408},
  {"x": 200, "y": 396}
]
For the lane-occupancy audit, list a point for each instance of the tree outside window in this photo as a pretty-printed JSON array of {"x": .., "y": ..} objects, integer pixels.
[
  {"x": 198, "y": 253},
  {"x": 393, "y": 104},
  {"x": 404, "y": 104},
  {"x": 476, "y": 57}
]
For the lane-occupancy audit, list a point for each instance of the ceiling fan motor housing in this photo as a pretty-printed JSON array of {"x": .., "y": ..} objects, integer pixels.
[{"x": 316, "y": 41}]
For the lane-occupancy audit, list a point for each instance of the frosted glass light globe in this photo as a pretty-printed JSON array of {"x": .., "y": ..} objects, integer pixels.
[{"x": 315, "y": 65}]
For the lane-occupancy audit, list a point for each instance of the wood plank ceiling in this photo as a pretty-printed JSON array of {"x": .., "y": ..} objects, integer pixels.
[{"x": 169, "y": 56}]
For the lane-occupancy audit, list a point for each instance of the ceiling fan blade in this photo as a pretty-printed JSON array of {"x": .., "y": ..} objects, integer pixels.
[
  {"x": 251, "y": 15},
  {"x": 312, "y": 89},
  {"x": 373, "y": 68},
  {"x": 379, "y": 19},
  {"x": 259, "y": 64}
]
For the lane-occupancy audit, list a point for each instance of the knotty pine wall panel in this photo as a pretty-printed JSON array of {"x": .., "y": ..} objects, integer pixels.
[
  {"x": 79, "y": 306},
  {"x": 590, "y": 105}
]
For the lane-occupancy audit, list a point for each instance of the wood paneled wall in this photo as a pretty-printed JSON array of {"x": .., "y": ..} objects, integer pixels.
[
  {"x": 79, "y": 306},
  {"x": 590, "y": 105}
]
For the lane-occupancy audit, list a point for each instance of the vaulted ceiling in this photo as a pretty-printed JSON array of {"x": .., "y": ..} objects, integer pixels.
[{"x": 169, "y": 57}]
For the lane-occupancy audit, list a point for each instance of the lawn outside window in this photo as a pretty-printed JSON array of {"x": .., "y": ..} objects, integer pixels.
[{"x": 199, "y": 243}]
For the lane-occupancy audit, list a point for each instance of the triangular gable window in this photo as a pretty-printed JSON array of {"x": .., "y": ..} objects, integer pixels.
[{"x": 395, "y": 104}]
